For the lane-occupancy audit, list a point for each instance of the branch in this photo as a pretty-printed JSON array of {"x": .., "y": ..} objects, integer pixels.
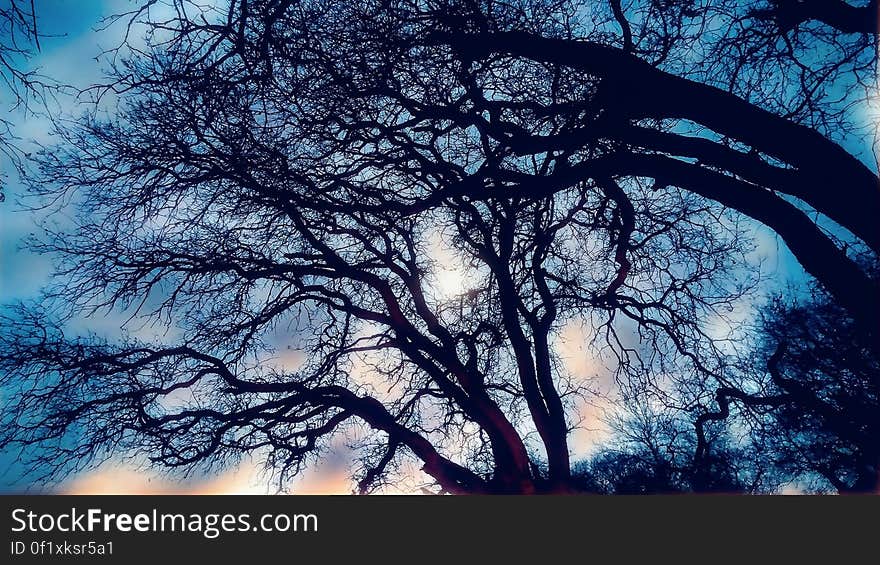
[
  {"x": 723, "y": 396},
  {"x": 840, "y": 15},
  {"x": 624, "y": 25},
  {"x": 815, "y": 251},
  {"x": 642, "y": 91}
]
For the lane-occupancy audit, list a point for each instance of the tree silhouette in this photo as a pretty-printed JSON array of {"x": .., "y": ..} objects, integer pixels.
[
  {"x": 828, "y": 424},
  {"x": 291, "y": 166},
  {"x": 652, "y": 452}
]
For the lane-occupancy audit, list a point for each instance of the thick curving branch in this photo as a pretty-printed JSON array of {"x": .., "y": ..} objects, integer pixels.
[{"x": 635, "y": 89}]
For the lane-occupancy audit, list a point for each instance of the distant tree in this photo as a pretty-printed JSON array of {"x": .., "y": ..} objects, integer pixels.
[
  {"x": 279, "y": 166},
  {"x": 815, "y": 404},
  {"x": 652, "y": 452},
  {"x": 831, "y": 424}
]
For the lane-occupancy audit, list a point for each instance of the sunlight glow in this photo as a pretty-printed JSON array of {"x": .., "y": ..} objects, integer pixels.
[
  {"x": 247, "y": 478},
  {"x": 119, "y": 478},
  {"x": 449, "y": 276}
]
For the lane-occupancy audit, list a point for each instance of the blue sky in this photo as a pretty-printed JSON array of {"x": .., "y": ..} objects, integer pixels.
[{"x": 68, "y": 54}]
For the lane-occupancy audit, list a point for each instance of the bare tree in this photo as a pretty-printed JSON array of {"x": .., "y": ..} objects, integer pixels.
[
  {"x": 821, "y": 386},
  {"x": 652, "y": 452},
  {"x": 286, "y": 165}
]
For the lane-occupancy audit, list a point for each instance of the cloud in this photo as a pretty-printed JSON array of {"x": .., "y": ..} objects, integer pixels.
[
  {"x": 247, "y": 478},
  {"x": 587, "y": 370},
  {"x": 119, "y": 478}
]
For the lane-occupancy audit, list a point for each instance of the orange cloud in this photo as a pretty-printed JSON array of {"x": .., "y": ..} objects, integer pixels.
[
  {"x": 117, "y": 478},
  {"x": 573, "y": 346}
]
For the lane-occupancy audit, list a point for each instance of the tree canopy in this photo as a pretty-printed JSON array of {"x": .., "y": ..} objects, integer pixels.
[{"x": 272, "y": 176}]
